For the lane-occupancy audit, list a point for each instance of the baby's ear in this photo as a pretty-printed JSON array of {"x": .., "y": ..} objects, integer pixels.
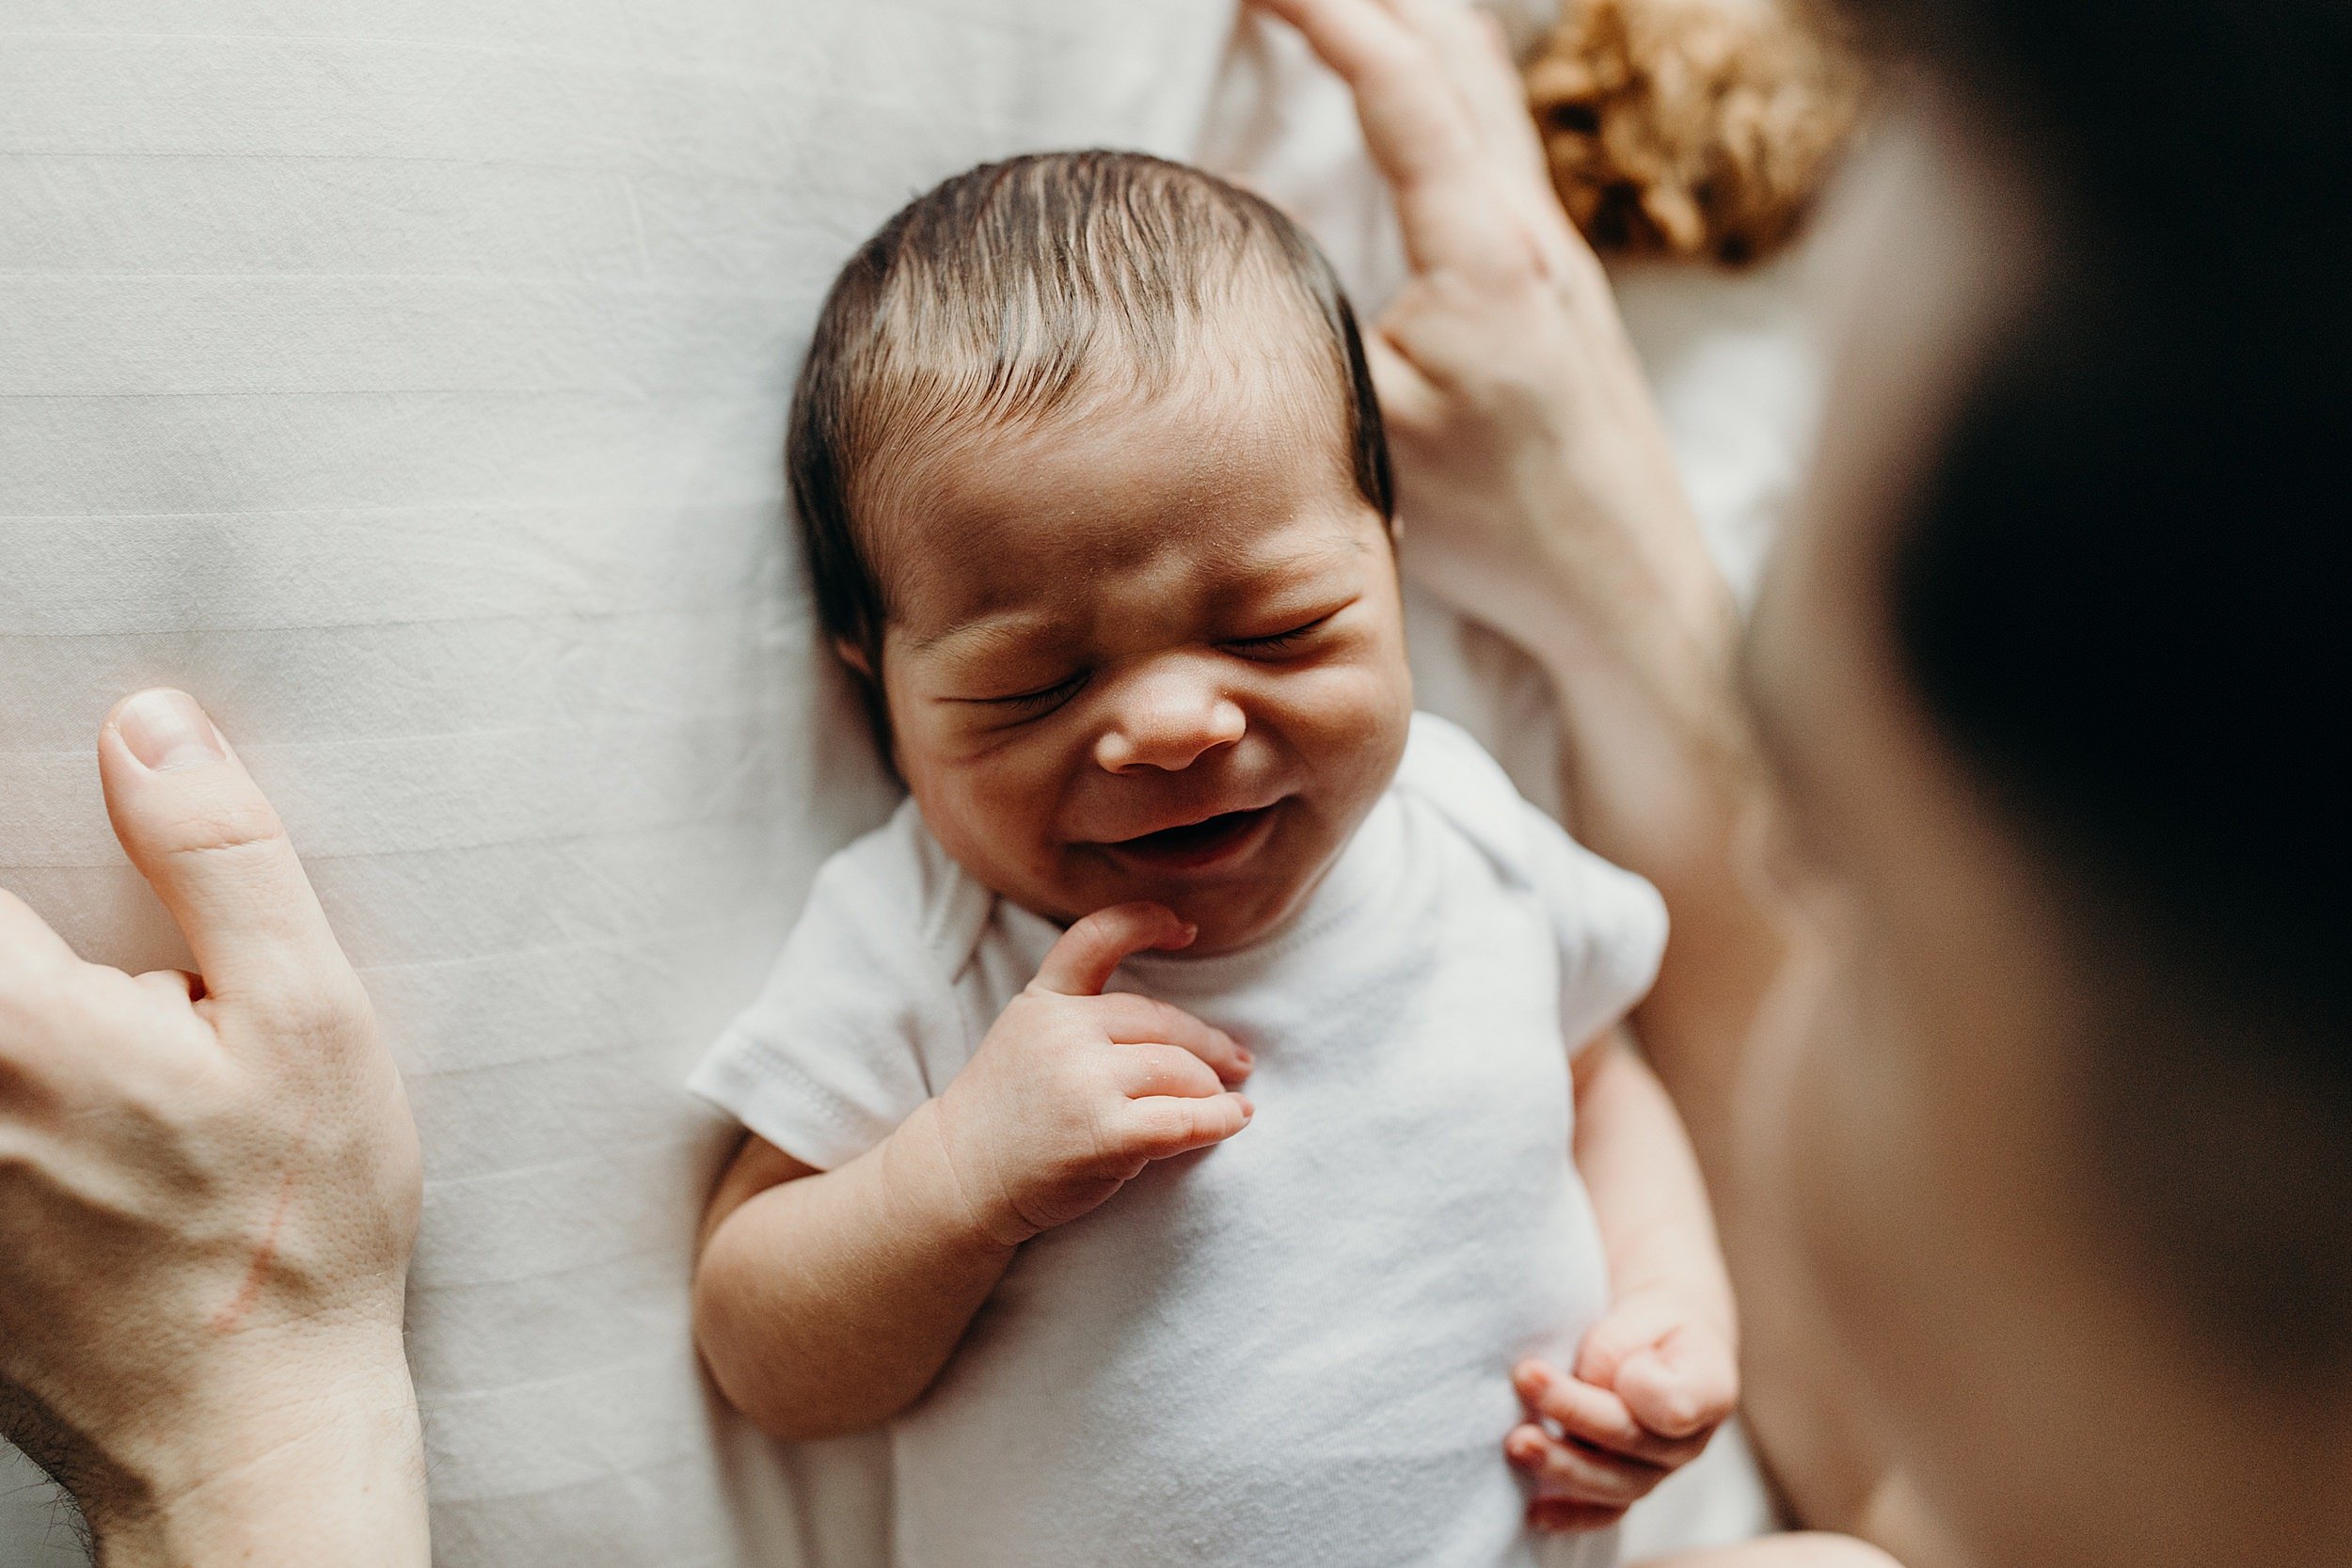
[{"x": 854, "y": 657}]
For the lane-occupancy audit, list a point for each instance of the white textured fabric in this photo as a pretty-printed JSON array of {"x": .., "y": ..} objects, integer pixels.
[
  {"x": 406, "y": 379},
  {"x": 1295, "y": 1347}
]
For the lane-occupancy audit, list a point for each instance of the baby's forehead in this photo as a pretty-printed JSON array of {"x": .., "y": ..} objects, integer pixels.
[{"x": 1207, "y": 469}]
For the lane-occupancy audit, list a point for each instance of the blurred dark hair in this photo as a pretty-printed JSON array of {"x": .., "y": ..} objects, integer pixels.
[
  {"x": 1017, "y": 290},
  {"x": 2121, "y": 596}
]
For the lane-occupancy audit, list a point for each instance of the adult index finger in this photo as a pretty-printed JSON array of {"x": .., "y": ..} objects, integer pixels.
[
  {"x": 1419, "y": 130},
  {"x": 199, "y": 830},
  {"x": 32, "y": 957},
  {"x": 26, "y": 943},
  {"x": 1081, "y": 962},
  {"x": 1479, "y": 66}
]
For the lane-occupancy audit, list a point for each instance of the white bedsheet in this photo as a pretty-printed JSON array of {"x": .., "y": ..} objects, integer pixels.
[{"x": 407, "y": 378}]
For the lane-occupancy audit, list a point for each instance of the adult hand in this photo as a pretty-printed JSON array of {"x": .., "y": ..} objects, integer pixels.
[
  {"x": 1535, "y": 481},
  {"x": 1540, "y": 496},
  {"x": 209, "y": 1189}
]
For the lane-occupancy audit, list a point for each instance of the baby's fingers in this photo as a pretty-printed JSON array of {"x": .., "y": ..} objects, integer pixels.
[
  {"x": 1159, "y": 1127},
  {"x": 1596, "y": 1418},
  {"x": 1129, "y": 1020},
  {"x": 1148, "y": 1070},
  {"x": 1684, "y": 1386},
  {"x": 1557, "y": 1517},
  {"x": 1080, "y": 964},
  {"x": 1566, "y": 1472}
]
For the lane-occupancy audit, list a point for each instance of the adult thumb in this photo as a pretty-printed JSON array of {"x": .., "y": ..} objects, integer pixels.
[{"x": 199, "y": 830}]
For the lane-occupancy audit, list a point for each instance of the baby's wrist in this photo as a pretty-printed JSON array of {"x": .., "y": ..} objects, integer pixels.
[
  {"x": 1698, "y": 1303},
  {"x": 940, "y": 1198}
]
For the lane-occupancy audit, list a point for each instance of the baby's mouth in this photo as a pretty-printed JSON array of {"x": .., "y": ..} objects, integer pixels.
[{"x": 1213, "y": 841}]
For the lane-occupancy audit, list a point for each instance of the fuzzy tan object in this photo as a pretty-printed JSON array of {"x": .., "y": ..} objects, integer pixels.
[{"x": 1692, "y": 127}]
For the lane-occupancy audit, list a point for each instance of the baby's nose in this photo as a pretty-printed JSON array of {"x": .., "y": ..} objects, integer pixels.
[{"x": 1168, "y": 726}]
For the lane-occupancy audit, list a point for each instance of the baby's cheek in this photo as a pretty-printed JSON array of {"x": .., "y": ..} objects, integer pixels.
[
  {"x": 1350, "y": 721},
  {"x": 993, "y": 816}
]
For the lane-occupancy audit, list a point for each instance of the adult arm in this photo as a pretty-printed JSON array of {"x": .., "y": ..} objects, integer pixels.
[
  {"x": 1540, "y": 497},
  {"x": 209, "y": 1189}
]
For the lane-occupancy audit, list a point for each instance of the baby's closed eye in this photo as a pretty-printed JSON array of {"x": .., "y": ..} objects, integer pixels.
[
  {"x": 1036, "y": 699},
  {"x": 1280, "y": 642}
]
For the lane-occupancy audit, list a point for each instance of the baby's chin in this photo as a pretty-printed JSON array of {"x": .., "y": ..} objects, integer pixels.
[
  {"x": 1232, "y": 919},
  {"x": 1232, "y": 909}
]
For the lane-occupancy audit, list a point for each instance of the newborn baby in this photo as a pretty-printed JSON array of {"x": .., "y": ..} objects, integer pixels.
[{"x": 1098, "y": 506}]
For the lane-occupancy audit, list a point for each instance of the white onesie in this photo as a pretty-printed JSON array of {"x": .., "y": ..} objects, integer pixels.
[{"x": 1293, "y": 1349}]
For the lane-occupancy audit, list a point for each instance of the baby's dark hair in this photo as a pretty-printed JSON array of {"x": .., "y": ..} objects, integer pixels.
[{"x": 990, "y": 301}]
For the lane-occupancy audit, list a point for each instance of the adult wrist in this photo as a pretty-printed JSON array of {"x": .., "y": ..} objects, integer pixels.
[
  {"x": 1618, "y": 546},
  {"x": 1658, "y": 762},
  {"x": 278, "y": 1474}
]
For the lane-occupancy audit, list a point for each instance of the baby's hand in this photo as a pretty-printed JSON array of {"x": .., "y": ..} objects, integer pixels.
[
  {"x": 1653, "y": 1381},
  {"x": 1073, "y": 1092}
]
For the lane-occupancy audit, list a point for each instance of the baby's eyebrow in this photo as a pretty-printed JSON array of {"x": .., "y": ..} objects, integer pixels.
[
  {"x": 1290, "y": 568},
  {"x": 989, "y": 633},
  {"x": 1323, "y": 552}
]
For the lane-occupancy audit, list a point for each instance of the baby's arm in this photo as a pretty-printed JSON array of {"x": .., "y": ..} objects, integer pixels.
[
  {"x": 826, "y": 1303},
  {"x": 1656, "y": 1375},
  {"x": 1664, "y": 1258}
]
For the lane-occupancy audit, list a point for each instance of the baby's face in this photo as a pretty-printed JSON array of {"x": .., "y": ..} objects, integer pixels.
[{"x": 1152, "y": 652}]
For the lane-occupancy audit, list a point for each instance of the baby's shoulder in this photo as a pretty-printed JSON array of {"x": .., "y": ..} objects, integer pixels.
[
  {"x": 1447, "y": 770},
  {"x": 1610, "y": 922},
  {"x": 859, "y": 1022}
]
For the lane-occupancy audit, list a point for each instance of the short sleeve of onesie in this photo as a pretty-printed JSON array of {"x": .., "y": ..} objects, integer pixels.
[
  {"x": 859, "y": 1023},
  {"x": 1611, "y": 923}
]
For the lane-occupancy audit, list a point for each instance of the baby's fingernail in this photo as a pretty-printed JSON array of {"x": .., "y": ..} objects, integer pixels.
[
  {"x": 1248, "y": 1110},
  {"x": 1242, "y": 1056},
  {"x": 165, "y": 729},
  {"x": 1532, "y": 1374}
]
